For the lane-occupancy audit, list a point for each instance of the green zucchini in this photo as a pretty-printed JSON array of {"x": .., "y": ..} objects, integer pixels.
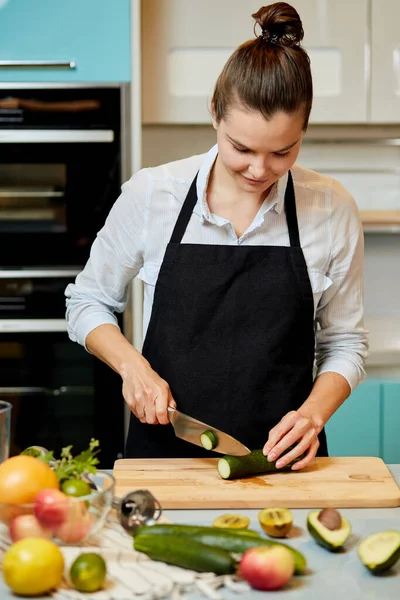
[
  {"x": 209, "y": 440},
  {"x": 380, "y": 551},
  {"x": 182, "y": 551},
  {"x": 233, "y": 467},
  {"x": 331, "y": 539},
  {"x": 175, "y": 529},
  {"x": 229, "y": 540}
]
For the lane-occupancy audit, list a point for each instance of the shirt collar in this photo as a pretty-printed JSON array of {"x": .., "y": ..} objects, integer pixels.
[{"x": 274, "y": 201}]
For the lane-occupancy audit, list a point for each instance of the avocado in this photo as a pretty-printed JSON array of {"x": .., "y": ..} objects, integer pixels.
[
  {"x": 380, "y": 551},
  {"x": 331, "y": 539}
]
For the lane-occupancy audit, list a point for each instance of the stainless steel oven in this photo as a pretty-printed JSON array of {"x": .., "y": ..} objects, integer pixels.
[
  {"x": 61, "y": 165},
  {"x": 60, "y": 393},
  {"x": 63, "y": 156}
]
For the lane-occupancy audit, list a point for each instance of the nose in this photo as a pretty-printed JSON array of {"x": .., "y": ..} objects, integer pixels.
[{"x": 258, "y": 168}]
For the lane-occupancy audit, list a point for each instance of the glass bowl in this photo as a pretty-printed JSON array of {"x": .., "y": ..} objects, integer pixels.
[{"x": 68, "y": 521}]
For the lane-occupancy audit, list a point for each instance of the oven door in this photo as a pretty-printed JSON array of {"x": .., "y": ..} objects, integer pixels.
[{"x": 61, "y": 394}]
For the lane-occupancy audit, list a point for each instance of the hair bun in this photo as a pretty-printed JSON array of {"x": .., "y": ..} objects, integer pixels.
[{"x": 280, "y": 24}]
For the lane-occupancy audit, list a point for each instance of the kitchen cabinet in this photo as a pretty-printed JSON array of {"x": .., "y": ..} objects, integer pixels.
[
  {"x": 391, "y": 421},
  {"x": 185, "y": 45},
  {"x": 355, "y": 428},
  {"x": 74, "y": 41},
  {"x": 385, "y": 61}
]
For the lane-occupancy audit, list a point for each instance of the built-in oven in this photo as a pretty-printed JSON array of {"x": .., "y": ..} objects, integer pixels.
[
  {"x": 64, "y": 152},
  {"x": 59, "y": 392},
  {"x": 61, "y": 162}
]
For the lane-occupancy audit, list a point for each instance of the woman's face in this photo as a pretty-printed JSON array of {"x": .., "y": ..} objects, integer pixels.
[{"x": 256, "y": 152}]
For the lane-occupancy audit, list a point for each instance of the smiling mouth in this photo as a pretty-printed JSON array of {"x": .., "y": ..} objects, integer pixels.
[{"x": 255, "y": 181}]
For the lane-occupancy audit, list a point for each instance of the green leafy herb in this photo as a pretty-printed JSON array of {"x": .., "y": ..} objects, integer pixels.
[{"x": 67, "y": 465}]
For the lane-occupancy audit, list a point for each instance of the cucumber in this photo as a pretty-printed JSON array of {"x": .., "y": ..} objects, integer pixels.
[
  {"x": 331, "y": 539},
  {"x": 182, "y": 551},
  {"x": 233, "y": 467},
  {"x": 209, "y": 440},
  {"x": 380, "y": 551},
  {"x": 174, "y": 529},
  {"x": 230, "y": 541}
]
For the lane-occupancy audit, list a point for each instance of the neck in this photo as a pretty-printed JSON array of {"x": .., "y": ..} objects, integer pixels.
[{"x": 223, "y": 187}]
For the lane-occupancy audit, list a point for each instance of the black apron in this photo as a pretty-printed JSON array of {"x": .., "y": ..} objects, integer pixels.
[{"x": 232, "y": 333}]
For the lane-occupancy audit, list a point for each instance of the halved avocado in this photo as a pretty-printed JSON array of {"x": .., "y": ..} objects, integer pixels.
[
  {"x": 380, "y": 551},
  {"x": 332, "y": 540}
]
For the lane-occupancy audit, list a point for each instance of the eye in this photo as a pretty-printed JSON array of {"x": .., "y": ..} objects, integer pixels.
[
  {"x": 281, "y": 155},
  {"x": 241, "y": 150}
]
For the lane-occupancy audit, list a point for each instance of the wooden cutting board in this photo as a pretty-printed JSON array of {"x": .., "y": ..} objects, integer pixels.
[{"x": 180, "y": 483}]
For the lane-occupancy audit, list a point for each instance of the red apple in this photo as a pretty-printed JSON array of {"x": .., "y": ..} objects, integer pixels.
[
  {"x": 28, "y": 526},
  {"x": 267, "y": 567},
  {"x": 51, "y": 508},
  {"x": 77, "y": 525}
]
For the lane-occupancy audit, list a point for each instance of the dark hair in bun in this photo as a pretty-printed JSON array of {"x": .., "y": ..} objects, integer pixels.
[{"x": 270, "y": 73}]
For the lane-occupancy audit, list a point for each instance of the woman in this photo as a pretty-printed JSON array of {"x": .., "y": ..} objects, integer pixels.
[{"x": 252, "y": 267}]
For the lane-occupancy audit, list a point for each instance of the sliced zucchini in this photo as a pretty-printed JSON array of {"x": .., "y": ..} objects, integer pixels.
[
  {"x": 380, "y": 551},
  {"x": 324, "y": 534},
  {"x": 185, "y": 552},
  {"x": 231, "y": 522},
  {"x": 209, "y": 440},
  {"x": 233, "y": 467},
  {"x": 276, "y": 522}
]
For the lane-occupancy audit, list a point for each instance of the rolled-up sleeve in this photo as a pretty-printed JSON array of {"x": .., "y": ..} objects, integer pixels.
[
  {"x": 116, "y": 256},
  {"x": 341, "y": 339}
]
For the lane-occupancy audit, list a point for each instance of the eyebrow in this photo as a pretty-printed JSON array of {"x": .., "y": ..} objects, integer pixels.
[{"x": 275, "y": 151}]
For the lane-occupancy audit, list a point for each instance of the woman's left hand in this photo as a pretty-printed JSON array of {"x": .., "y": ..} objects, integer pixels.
[{"x": 297, "y": 429}]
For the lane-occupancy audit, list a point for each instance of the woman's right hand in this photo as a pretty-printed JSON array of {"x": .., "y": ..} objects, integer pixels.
[{"x": 146, "y": 393}]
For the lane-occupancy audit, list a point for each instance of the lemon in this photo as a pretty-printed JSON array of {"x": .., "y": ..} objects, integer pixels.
[
  {"x": 33, "y": 566},
  {"x": 232, "y": 521},
  {"x": 88, "y": 572}
]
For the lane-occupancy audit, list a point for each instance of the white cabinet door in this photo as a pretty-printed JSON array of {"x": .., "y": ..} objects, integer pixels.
[
  {"x": 187, "y": 42},
  {"x": 385, "y": 63}
]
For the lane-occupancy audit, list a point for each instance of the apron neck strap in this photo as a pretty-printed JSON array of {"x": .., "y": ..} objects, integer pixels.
[
  {"x": 185, "y": 214},
  {"x": 191, "y": 200},
  {"x": 291, "y": 213}
]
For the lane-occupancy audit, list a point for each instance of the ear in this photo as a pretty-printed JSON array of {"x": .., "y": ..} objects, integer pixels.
[{"x": 214, "y": 121}]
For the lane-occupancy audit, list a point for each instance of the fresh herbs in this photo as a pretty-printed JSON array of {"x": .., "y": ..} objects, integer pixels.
[{"x": 68, "y": 466}]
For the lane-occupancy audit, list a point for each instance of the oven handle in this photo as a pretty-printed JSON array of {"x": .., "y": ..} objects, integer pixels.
[
  {"x": 37, "y": 64},
  {"x": 37, "y": 273},
  {"x": 71, "y": 390},
  {"x": 55, "y": 136},
  {"x": 32, "y": 325}
]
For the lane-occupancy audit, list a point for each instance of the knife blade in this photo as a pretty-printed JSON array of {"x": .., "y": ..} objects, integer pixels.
[{"x": 190, "y": 429}]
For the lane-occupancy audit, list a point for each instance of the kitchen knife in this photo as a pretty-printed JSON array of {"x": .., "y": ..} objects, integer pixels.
[{"x": 190, "y": 430}]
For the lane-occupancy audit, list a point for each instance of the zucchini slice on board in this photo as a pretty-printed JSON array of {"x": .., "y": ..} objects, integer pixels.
[
  {"x": 254, "y": 463},
  {"x": 380, "y": 551},
  {"x": 331, "y": 539},
  {"x": 209, "y": 439}
]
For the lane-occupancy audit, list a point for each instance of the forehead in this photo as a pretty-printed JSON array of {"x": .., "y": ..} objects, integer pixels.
[{"x": 252, "y": 129}]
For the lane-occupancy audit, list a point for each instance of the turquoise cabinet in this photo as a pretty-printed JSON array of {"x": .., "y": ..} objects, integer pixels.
[
  {"x": 65, "y": 40},
  {"x": 391, "y": 422},
  {"x": 355, "y": 428}
]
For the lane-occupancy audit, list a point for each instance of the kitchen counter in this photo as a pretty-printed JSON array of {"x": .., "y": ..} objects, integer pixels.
[{"x": 330, "y": 576}]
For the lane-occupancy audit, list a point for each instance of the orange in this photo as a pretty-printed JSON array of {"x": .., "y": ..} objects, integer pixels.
[{"x": 23, "y": 477}]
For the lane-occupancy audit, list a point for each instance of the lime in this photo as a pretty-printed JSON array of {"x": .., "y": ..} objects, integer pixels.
[
  {"x": 76, "y": 487},
  {"x": 88, "y": 572},
  {"x": 33, "y": 566}
]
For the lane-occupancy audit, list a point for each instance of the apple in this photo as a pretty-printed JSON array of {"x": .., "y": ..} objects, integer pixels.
[
  {"x": 77, "y": 525},
  {"x": 267, "y": 567},
  {"x": 25, "y": 526},
  {"x": 51, "y": 507}
]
